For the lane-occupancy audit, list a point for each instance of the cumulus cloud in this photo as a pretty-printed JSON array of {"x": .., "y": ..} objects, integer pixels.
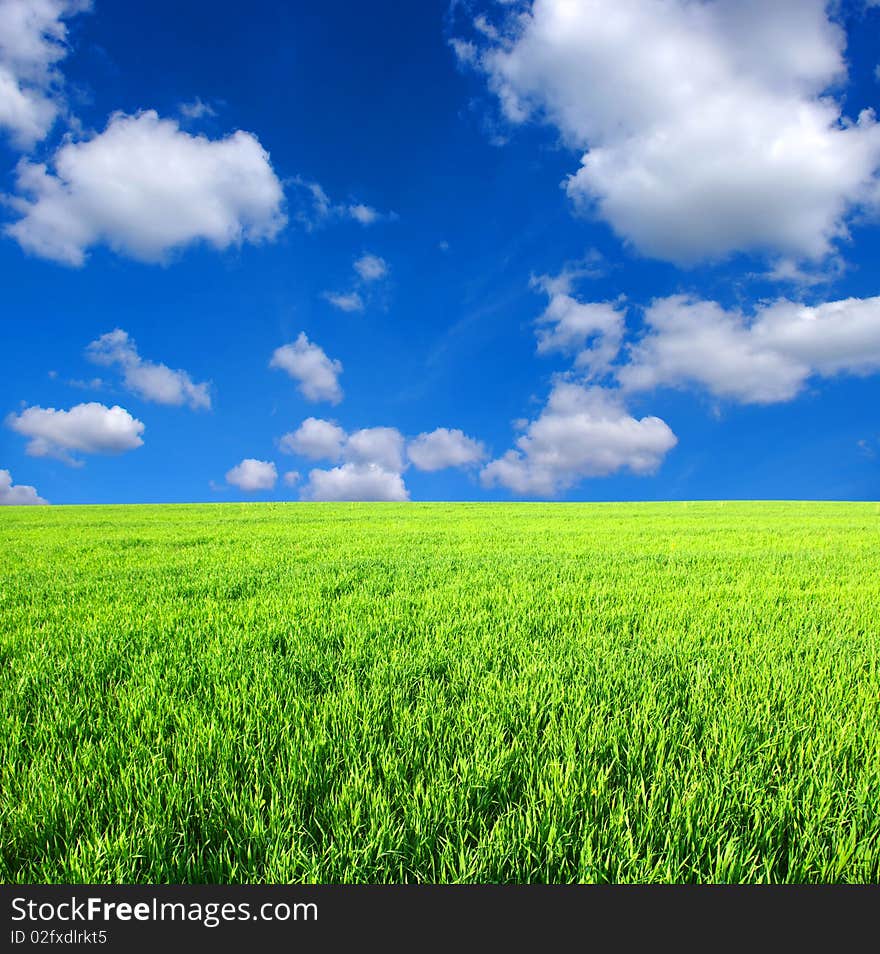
[
  {"x": 145, "y": 188},
  {"x": 291, "y": 478},
  {"x": 88, "y": 428},
  {"x": 17, "y": 495},
  {"x": 758, "y": 359},
  {"x": 32, "y": 41},
  {"x": 442, "y": 447},
  {"x": 707, "y": 127},
  {"x": 317, "y": 376},
  {"x": 355, "y": 482},
  {"x": 382, "y": 446},
  {"x": 315, "y": 439},
  {"x": 373, "y": 459},
  {"x": 591, "y": 332},
  {"x": 581, "y": 432},
  {"x": 345, "y": 301},
  {"x": 371, "y": 267},
  {"x": 151, "y": 381},
  {"x": 252, "y": 475}
]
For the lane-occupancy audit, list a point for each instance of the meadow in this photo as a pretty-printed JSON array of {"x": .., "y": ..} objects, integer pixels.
[{"x": 680, "y": 692}]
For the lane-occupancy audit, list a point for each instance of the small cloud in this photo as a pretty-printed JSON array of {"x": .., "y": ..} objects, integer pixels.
[
  {"x": 347, "y": 301},
  {"x": 355, "y": 482},
  {"x": 788, "y": 270},
  {"x": 251, "y": 475},
  {"x": 465, "y": 52},
  {"x": 197, "y": 109},
  {"x": 315, "y": 439},
  {"x": 94, "y": 384},
  {"x": 150, "y": 381},
  {"x": 443, "y": 448},
  {"x": 371, "y": 267},
  {"x": 291, "y": 478},
  {"x": 363, "y": 214},
  {"x": 317, "y": 376},
  {"x": 317, "y": 209},
  {"x": 866, "y": 450}
]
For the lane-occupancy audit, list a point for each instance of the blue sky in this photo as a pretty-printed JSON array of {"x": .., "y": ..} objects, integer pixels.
[{"x": 551, "y": 250}]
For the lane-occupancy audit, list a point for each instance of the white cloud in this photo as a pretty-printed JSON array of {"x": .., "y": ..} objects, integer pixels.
[
  {"x": 371, "y": 267},
  {"x": 355, "y": 482},
  {"x": 760, "y": 359},
  {"x": 253, "y": 475},
  {"x": 373, "y": 458},
  {"x": 581, "y": 432},
  {"x": 17, "y": 495},
  {"x": 789, "y": 271},
  {"x": 348, "y": 301},
  {"x": 316, "y": 439},
  {"x": 32, "y": 41},
  {"x": 89, "y": 428},
  {"x": 443, "y": 448},
  {"x": 316, "y": 209},
  {"x": 151, "y": 381},
  {"x": 291, "y": 478},
  {"x": 382, "y": 446},
  {"x": 707, "y": 126},
  {"x": 316, "y": 374},
  {"x": 319, "y": 208},
  {"x": 197, "y": 109},
  {"x": 590, "y": 331},
  {"x": 145, "y": 188},
  {"x": 364, "y": 214}
]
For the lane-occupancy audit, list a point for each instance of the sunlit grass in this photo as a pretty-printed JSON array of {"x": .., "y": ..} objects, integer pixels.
[{"x": 440, "y": 692}]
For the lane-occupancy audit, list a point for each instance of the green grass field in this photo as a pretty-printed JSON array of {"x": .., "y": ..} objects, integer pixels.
[{"x": 440, "y": 692}]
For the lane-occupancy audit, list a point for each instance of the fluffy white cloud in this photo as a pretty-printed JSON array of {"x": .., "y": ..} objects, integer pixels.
[
  {"x": 708, "y": 127},
  {"x": 371, "y": 267},
  {"x": 89, "y": 428},
  {"x": 17, "y": 495},
  {"x": 145, "y": 187},
  {"x": 315, "y": 439},
  {"x": 582, "y": 432},
  {"x": 760, "y": 359},
  {"x": 154, "y": 382},
  {"x": 32, "y": 41},
  {"x": 317, "y": 376},
  {"x": 442, "y": 448},
  {"x": 291, "y": 478},
  {"x": 253, "y": 475},
  {"x": 380, "y": 446},
  {"x": 590, "y": 331},
  {"x": 355, "y": 482},
  {"x": 373, "y": 458},
  {"x": 347, "y": 301}
]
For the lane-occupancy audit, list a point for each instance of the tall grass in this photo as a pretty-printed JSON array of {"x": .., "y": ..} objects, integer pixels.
[{"x": 440, "y": 692}]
